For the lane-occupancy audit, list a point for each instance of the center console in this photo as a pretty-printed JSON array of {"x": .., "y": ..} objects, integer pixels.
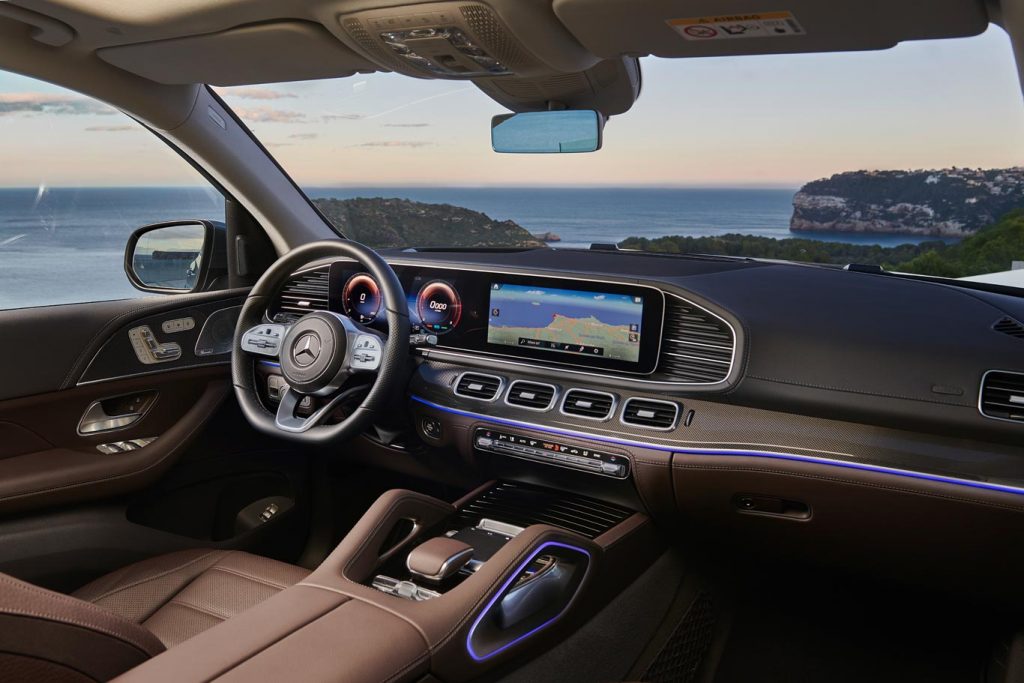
[{"x": 423, "y": 586}]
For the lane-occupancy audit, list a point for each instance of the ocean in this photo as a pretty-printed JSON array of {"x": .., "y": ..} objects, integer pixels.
[{"x": 65, "y": 245}]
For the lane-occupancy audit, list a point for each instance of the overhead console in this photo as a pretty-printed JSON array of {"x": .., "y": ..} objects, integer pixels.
[
  {"x": 465, "y": 39},
  {"x": 624, "y": 331}
]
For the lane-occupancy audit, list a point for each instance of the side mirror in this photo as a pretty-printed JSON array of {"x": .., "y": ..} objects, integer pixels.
[
  {"x": 176, "y": 257},
  {"x": 547, "y": 132}
]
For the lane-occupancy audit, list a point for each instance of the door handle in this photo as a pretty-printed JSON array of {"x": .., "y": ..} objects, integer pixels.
[{"x": 117, "y": 412}]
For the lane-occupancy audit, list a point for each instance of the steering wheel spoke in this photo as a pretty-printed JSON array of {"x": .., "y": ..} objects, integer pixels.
[
  {"x": 264, "y": 340},
  {"x": 286, "y": 419}
]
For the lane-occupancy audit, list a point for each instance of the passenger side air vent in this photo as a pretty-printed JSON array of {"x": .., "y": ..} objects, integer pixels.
[
  {"x": 1002, "y": 395},
  {"x": 303, "y": 293},
  {"x": 697, "y": 347},
  {"x": 1011, "y": 327},
  {"x": 480, "y": 387},
  {"x": 525, "y": 506},
  {"x": 650, "y": 414},
  {"x": 592, "y": 405},
  {"x": 530, "y": 395}
]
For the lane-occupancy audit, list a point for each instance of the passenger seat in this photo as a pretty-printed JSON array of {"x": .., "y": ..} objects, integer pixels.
[{"x": 122, "y": 619}]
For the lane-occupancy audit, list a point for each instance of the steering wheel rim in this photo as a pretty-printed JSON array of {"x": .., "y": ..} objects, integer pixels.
[{"x": 388, "y": 374}]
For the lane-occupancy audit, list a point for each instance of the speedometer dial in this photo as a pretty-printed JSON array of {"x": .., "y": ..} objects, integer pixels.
[
  {"x": 361, "y": 298},
  {"x": 439, "y": 307}
]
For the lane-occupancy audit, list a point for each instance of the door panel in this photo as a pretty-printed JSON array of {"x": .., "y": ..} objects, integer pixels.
[{"x": 58, "y": 361}]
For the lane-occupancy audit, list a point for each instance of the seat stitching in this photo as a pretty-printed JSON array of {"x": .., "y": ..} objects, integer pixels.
[
  {"x": 197, "y": 608},
  {"x": 256, "y": 579},
  {"x": 157, "y": 576},
  {"x": 61, "y": 619}
]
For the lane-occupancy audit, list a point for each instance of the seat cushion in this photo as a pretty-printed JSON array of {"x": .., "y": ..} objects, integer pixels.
[
  {"x": 47, "y": 636},
  {"x": 178, "y": 595}
]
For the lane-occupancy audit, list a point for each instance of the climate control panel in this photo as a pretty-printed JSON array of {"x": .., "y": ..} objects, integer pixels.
[{"x": 552, "y": 453}]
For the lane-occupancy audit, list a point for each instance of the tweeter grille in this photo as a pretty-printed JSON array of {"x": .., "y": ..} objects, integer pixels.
[
  {"x": 355, "y": 28},
  {"x": 498, "y": 40}
]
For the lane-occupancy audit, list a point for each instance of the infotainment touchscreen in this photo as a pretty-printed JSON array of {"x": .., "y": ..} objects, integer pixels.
[{"x": 594, "y": 324}]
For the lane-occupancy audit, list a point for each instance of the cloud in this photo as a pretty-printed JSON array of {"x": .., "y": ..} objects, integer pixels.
[
  {"x": 110, "y": 129},
  {"x": 394, "y": 143},
  {"x": 247, "y": 93},
  {"x": 49, "y": 103},
  {"x": 405, "y": 125},
  {"x": 344, "y": 117},
  {"x": 304, "y": 136},
  {"x": 269, "y": 115}
]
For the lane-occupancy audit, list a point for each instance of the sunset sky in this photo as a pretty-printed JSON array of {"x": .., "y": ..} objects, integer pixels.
[{"x": 773, "y": 121}]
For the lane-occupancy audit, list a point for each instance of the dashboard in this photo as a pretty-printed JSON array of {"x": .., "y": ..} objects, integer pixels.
[
  {"x": 597, "y": 326},
  {"x": 581, "y": 359}
]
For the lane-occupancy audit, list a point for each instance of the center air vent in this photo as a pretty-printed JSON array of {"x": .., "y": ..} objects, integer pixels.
[
  {"x": 650, "y": 414},
  {"x": 478, "y": 386},
  {"x": 697, "y": 347},
  {"x": 303, "y": 293},
  {"x": 1002, "y": 395},
  {"x": 592, "y": 405},
  {"x": 530, "y": 395}
]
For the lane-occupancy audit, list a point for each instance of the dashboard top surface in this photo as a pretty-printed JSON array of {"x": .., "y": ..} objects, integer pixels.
[{"x": 809, "y": 339}]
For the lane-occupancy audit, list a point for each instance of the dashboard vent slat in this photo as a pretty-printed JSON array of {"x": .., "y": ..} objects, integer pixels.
[
  {"x": 478, "y": 386},
  {"x": 1002, "y": 396},
  {"x": 592, "y": 405},
  {"x": 303, "y": 293},
  {"x": 697, "y": 347},
  {"x": 531, "y": 395},
  {"x": 650, "y": 414},
  {"x": 1011, "y": 327}
]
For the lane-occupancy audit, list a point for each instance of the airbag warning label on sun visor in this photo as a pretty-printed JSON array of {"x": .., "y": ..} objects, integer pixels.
[{"x": 734, "y": 26}]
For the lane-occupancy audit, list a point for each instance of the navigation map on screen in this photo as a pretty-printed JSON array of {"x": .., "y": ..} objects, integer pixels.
[{"x": 570, "y": 321}]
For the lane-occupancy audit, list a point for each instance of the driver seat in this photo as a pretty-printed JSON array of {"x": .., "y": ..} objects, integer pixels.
[{"x": 122, "y": 619}]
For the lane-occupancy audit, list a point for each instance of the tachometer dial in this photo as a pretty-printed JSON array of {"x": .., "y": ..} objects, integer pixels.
[
  {"x": 439, "y": 307},
  {"x": 361, "y": 298}
]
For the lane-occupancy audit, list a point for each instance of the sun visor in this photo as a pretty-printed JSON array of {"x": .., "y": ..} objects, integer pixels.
[
  {"x": 260, "y": 53},
  {"x": 707, "y": 28}
]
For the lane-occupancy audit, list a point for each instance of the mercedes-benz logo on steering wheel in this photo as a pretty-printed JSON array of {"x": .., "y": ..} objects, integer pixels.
[{"x": 306, "y": 350}]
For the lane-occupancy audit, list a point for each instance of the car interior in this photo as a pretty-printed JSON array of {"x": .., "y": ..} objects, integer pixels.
[{"x": 312, "y": 460}]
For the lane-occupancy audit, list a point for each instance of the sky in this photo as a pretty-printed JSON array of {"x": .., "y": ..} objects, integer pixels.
[{"x": 766, "y": 121}]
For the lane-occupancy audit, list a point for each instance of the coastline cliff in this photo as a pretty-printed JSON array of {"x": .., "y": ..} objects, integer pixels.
[
  {"x": 382, "y": 222},
  {"x": 942, "y": 203}
]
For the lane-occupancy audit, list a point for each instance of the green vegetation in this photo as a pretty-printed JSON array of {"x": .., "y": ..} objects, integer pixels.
[
  {"x": 990, "y": 250},
  {"x": 379, "y": 222}
]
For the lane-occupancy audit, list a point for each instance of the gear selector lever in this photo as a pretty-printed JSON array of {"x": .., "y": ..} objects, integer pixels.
[{"x": 438, "y": 559}]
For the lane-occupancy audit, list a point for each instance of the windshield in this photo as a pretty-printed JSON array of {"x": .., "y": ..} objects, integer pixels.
[{"x": 905, "y": 158}]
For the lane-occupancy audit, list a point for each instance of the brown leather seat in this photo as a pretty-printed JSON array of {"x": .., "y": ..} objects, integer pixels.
[{"x": 127, "y": 616}]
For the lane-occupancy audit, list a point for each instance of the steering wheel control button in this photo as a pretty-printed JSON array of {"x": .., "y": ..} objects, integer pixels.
[
  {"x": 263, "y": 339},
  {"x": 552, "y": 453},
  {"x": 177, "y": 325},
  {"x": 366, "y": 353},
  {"x": 150, "y": 351}
]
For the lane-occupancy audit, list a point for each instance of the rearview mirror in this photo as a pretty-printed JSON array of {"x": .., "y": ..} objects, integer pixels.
[
  {"x": 547, "y": 132},
  {"x": 180, "y": 256}
]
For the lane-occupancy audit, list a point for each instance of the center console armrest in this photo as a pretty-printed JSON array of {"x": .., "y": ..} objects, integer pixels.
[{"x": 448, "y": 622}]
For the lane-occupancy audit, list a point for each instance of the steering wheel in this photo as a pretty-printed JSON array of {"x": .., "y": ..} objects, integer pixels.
[{"x": 320, "y": 351}]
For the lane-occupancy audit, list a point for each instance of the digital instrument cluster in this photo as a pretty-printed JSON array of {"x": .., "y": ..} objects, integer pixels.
[{"x": 610, "y": 326}]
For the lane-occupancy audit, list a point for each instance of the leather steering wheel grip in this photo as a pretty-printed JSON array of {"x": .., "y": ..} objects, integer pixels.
[{"x": 392, "y": 365}]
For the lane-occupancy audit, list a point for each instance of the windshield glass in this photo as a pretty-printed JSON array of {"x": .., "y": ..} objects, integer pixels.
[{"x": 904, "y": 158}]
